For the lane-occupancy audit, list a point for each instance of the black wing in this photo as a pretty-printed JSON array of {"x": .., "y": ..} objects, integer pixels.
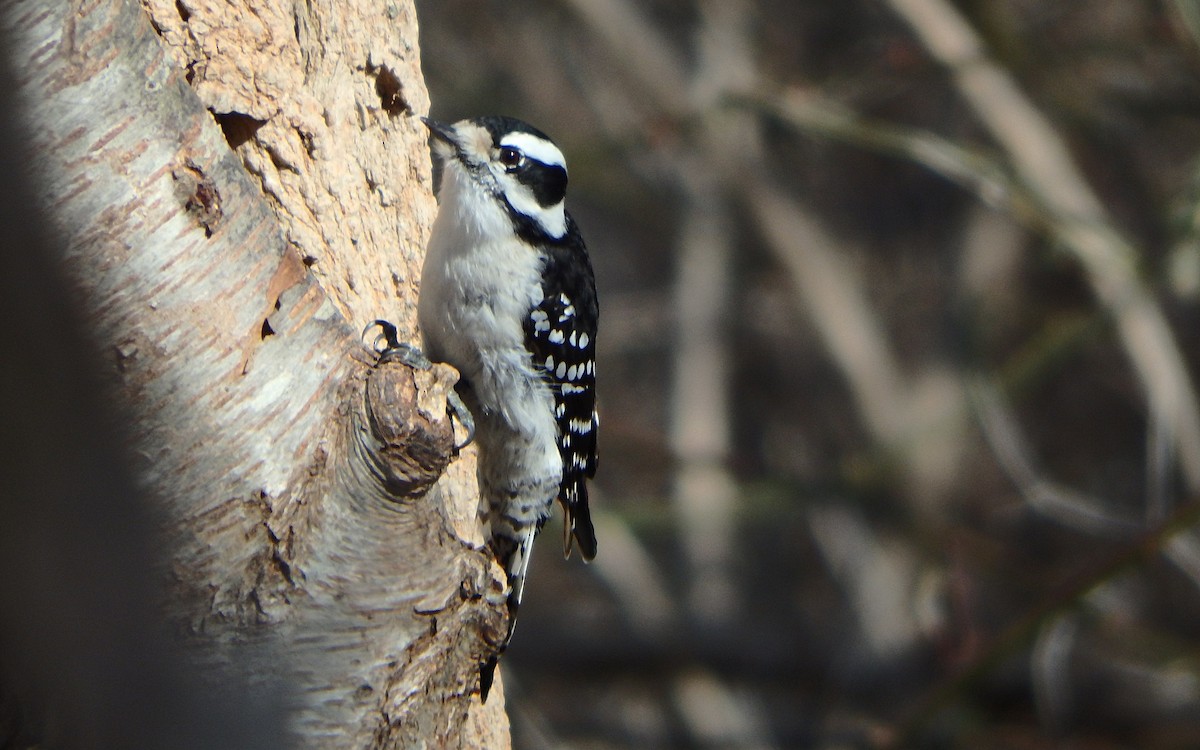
[{"x": 561, "y": 333}]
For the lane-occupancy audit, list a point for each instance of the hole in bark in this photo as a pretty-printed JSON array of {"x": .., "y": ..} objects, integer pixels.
[
  {"x": 307, "y": 139},
  {"x": 237, "y": 127},
  {"x": 267, "y": 330},
  {"x": 390, "y": 91},
  {"x": 199, "y": 195},
  {"x": 184, "y": 13},
  {"x": 309, "y": 261}
]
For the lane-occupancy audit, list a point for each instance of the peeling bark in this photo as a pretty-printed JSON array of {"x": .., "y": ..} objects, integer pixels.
[{"x": 239, "y": 189}]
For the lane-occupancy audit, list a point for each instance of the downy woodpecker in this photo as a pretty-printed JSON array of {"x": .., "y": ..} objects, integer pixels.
[{"x": 508, "y": 298}]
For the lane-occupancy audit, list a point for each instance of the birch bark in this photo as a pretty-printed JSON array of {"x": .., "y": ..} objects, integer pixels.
[{"x": 238, "y": 189}]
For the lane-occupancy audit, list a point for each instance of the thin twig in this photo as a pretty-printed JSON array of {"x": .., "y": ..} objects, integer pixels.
[
  {"x": 1021, "y": 632},
  {"x": 972, "y": 169},
  {"x": 1003, "y": 434}
]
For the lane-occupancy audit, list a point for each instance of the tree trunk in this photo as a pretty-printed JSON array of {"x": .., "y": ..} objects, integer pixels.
[{"x": 238, "y": 190}]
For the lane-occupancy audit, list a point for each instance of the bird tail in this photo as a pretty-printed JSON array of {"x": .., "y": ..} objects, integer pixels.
[
  {"x": 516, "y": 564},
  {"x": 487, "y": 673},
  {"x": 577, "y": 528}
]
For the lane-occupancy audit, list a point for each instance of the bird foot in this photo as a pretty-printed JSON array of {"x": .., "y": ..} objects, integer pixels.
[{"x": 390, "y": 349}]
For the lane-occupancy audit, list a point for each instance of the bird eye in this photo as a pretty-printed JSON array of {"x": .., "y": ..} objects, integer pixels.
[{"x": 509, "y": 157}]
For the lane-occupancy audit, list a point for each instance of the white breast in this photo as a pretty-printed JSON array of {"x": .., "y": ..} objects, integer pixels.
[{"x": 477, "y": 286}]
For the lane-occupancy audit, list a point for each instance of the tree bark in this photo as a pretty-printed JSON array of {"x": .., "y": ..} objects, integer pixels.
[{"x": 238, "y": 190}]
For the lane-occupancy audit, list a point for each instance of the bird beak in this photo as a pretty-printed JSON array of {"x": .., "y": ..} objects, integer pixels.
[{"x": 440, "y": 130}]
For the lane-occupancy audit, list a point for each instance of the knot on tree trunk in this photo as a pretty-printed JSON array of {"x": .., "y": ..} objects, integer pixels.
[{"x": 406, "y": 412}]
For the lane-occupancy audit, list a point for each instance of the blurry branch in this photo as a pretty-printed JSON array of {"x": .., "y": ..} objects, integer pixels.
[
  {"x": 1020, "y": 633},
  {"x": 1003, "y": 434},
  {"x": 1080, "y": 222},
  {"x": 1160, "y": 460},
  {"x": 1188, "y": 12},
  {"x": 717, "y": 717},
  {"x": 834, "y": 297},
  {"x": 1051, "y": 670},
  {"x": 879, "y": 579},
  {"x": 652, "y": 61},
  {"x": 1183, "y": 263},
  {"x": 713, "y": 714},
  {"x": 1184, "y": 553},
  {"x": 981, "y": 173},
  {"x": 986, "y": 177},
  {"x": 1058, "y": 338},
  {"x": 704, "y": 492},
  {"x": 832, "y": 294},
  {"x": 1048, "y": 194},
  {"x": 1070, "y": 508},
  {"x": 631, "y": 575},
  {"x": 919, "y": 422}
]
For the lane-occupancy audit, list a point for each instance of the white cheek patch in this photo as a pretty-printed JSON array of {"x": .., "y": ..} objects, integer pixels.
[
  {"x": 552, "y": 219},
  {"x": 535, "y": 148}
]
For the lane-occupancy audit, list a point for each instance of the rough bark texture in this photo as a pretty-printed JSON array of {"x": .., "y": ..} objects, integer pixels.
[
  {"x": 293, "y": 476},
  {"x": 318, "y": 99}
]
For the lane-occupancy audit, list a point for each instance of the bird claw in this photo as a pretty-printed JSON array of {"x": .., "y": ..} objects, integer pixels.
[
  {"x": 464, "y": 417},
  {"x": 395, "y": 350}
]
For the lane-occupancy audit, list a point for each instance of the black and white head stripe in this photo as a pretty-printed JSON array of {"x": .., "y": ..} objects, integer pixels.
[
  {"x": 540, "y": 167},
  {"x": 519, "y": 164},
  {"x": 536, "y": 147}
]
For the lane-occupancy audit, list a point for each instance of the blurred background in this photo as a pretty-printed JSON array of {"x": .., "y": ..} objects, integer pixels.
[{"x": 900, "y": 443}]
